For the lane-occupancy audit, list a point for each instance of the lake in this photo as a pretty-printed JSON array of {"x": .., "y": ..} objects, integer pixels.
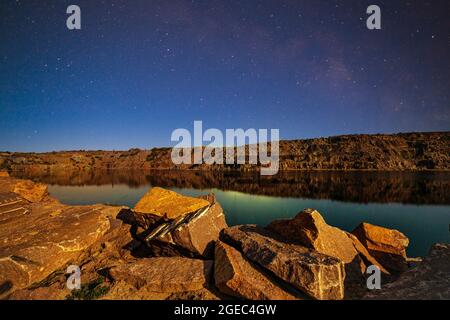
[{"x": 417, "y": 204}]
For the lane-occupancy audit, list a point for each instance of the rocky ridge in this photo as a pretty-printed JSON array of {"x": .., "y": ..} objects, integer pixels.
[{"x": 403, "y": 151}]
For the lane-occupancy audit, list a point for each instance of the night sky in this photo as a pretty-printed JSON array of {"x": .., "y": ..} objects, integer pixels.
[{"x": 139, "y": 69}]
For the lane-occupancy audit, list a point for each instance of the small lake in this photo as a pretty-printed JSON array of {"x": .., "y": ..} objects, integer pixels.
[{"x": 417, "y": 204}]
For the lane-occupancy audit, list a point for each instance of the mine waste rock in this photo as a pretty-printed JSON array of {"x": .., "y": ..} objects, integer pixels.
[
  {"x": 165, "y": 274},
  {"x": 41, "y": 237},
  {"x": 318, "y": 275},
  {"x": 387, "y": 246},
  {"x": 430, "y": 280},
  {"x": 236, "y": 276},
  {"x": 195, "y": 225}
]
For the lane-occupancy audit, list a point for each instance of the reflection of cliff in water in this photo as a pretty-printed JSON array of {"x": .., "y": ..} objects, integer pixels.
[{"x": 419, "y": 188}]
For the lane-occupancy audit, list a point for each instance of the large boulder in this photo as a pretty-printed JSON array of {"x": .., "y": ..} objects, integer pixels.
[
  {"x": 387, "y": 246},
  {"x": 161, "y": 202},
  {"x": 39, "y": 238},
  {"x": 364, "y": 254},
  {"x": 199, "y": 233},
  {"x": 310, "y": 229},
  {"x": 318, "y": 275},
  {"x": 164, "y": 274},
  {"x": 430, "y": 280},
  {"x": 194, "y": 231},
  {"x": 235, "y": 276}
]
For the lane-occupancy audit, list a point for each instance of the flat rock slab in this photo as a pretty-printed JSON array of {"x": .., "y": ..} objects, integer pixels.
[
  {"x": 161, "y": 202},
  {"x": 11, "y": 206},
  {"x": 316, "y": 274},
  {"x": 39, "y": 238},
  {"x": 235, "y": 276},
  {"x": 430, "y": 280},
  {"x": 165, "y": 274}
]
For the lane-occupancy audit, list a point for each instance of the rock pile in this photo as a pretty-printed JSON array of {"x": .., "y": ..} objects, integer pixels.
[{"x": 176, "y": 247}]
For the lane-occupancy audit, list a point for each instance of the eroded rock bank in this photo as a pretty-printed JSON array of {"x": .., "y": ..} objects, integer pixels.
[{"x": 175, "y": 247}]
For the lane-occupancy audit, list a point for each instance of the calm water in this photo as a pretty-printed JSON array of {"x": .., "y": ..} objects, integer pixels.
[{"x": 417, "y": 205}]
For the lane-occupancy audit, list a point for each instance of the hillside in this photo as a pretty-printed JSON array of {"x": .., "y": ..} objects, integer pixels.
[{"x": 405, "y": 151}]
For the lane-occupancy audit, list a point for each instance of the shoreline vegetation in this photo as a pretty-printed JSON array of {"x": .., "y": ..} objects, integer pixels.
[
  {"x": 420, "y": 151},
  {"x": 171, "y": 246}
]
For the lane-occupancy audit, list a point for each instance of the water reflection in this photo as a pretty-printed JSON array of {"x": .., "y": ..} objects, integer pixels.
[
  {"x": 361, "y": 187},
  {"x": 416, "y": 204}
]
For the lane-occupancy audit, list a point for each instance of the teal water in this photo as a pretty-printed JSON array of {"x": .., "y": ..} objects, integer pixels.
[{"x": 424, "y": 224}]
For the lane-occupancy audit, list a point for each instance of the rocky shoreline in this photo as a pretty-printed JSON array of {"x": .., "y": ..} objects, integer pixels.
[{"x": 175, "y": 247}]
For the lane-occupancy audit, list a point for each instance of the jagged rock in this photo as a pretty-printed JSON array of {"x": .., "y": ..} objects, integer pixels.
[
  {"x": 39, "y": 238},
  {"x": 430, "y": 280},
  {"x": 236, "y": 276},
  {"x": 314, "y": 273},
  {"x": 364, "y": 254},
  {"x": 194, "y": 231},
  {"x": 310, "y": 229},
  {"x": 165, "y": 274},
  {"x": 161, "y": 202},
  {"x": 387, "y": 246},
  {"x": 199, "y": 234}
]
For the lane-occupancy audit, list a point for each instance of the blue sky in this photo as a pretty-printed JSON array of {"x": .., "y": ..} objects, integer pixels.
[{"x": 140, "y": 69}]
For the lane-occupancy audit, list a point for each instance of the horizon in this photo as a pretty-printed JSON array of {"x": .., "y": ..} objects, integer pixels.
[
  {"x": 137, "y": 71},
  {"x": 280, "y": 140}
]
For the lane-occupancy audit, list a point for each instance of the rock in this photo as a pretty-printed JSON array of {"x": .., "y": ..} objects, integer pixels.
[
  {"x": 168, "y": 274},
  {"x": 35, "y": 241},
  {"x": 430, "y": 280},
  {"x": 194, "y": 231},
  {"x": 318, "y": 275},
  {"x": 33, "y": 192},
  {"x": 364, "y": 254},
  {"x": 161, "y": 202},
  {"x": 26, "y": 189},
  {"x": 44, "y": 293},
  {"x": 387, "y": 246},
  {"x": 235, "y": 276},
  {"x": 310, "y": 229},
  {"x": 123, "y": 291},
  {"x": 4, "y": 174},
  {"x": 199, "y": 234}
]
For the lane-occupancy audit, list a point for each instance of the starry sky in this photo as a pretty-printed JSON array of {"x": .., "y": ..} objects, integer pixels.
[{"x": 139, "y": 69}]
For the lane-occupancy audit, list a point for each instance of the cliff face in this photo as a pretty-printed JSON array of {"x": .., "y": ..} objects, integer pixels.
[{"x": 408, "y": 151}]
